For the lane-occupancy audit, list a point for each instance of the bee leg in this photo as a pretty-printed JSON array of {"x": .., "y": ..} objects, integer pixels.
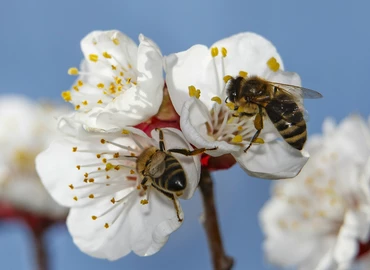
[
  {"x": 143, "y": 182},
  {"x": 172, "y": 197},
  {"x": 258, "y": 124},
  {"x": 187, "y": 152},
  {"x": 161, "y": 140}
]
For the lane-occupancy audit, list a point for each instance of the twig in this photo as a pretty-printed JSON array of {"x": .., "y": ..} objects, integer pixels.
[{"x": 220, "y": 260}]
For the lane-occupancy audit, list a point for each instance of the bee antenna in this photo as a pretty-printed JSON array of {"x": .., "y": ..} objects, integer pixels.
[
  {"x": 226, "y": 99},
  {"x": 130, "y": 156}
]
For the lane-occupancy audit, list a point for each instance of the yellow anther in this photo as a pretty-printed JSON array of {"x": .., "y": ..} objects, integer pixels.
[
  {"x": 259, "y": 140},
  {"x": 128, "y": 81},
  {"x": 243, "y": 74},
  {"x": 104, "y": 160},
  {"x": 75, "y": 198},
  {"x": 144, "y": 202},
  {"x": 132, "y": 154},
  {"x": 138, "y": 187},
  {"x": 75, "y": 87},
  {"x": 106, "y": 225},
  {"x": 91, "y": 180},
  {"x": 118, "y": 80},
  {"x": 66, "y": 95},
  {"x": 107, "y": 177},
  {"x": 125, "y": 131},
  {"x": 129, "y": 65},
  {"x": 227, "y": 78},
  {"x": 109, "y": 166},
  {"x": 116, "y": 155},
  {"x": 73, "y": 71},
  {"x": 121, "y": 74},
  {"x": 230, "y": 105},
  {"x": 80, "y": 83},
  {"x": 216, "y": 99},
  {"x": 94, "y": 217},
  {"x": 132, "y": 172},
  {"x": 102, "y": 141},
  {"x": 117, "y": 167},
  {"x": 115, "y": 41},
  {"x": 99, "y": 101},
  {"x": 113, "y": 201},
  {"x": 237, "y": 139},
  {"x": 100, "y": 85},
  {"x": 113, "y": 67},
  {"x": 99, "y": 168},
  {"x": 86, "y": 174},
  {"x": 119, "y": 87},
  {"x": 71, "y": 186},
  {"x": 98, "y": 155},
  {"x": 193, "y": 92},
  {"x": 240, "y": 109},
  {"x": 78, "y": 167},
  {"x": 93, "y": 57},
  {"x": 91, "y": 196},
  {"x": 224, "y": 51},
  {"x": 214, "y": 51},
  {"x": 240, "y": 128},
  {"x": 85, "y": 103},
  {"x": 107, "y": 55},
  {"x": 77, "y": 107},
  {"x": 273, "y": 64},
  {"x": 85, "y": 180},
  {"x": 231, "y": 120},
  {"x": 74, "y": 149}
]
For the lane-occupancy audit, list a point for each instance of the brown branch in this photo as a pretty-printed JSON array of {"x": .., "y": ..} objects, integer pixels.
[
  {"x": 219, "y": 259},
  {"x": 40, "y": 250}
]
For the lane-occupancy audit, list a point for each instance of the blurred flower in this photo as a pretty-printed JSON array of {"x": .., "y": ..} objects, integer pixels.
[
  {"x": 119, "y": 82},
  {"x": 26, "y": 129},
  {"x": 95, "y": 174},
  {"x": 196, "y": 81},
  {"x": 321, "y": 218}
]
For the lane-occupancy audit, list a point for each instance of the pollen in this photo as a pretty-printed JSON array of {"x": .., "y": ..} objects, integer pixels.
[
  {"x": 86, "y": 175},
  {"x": 259, "y": 140},
  {"x": 116, "y": 155},
  {"x": 104, "y": 160},
  {"x": 77, "y": 107},
  {"x": 102, "y": 141},
  {"x": 237, "y": 139},
  {"x": 78, "y": 167},
  {"x": 75, "y": 87},
  {"x": 91, "y": 196},
  {"x": 214, "y": 51},
  {"x": 243, "y": 74},
  {"x": 100, "y": 85},
  {"x": 75, "y": 198},
  {"x": 240, "y": 128},
  {"x": 193, "y": 92},
  {"x": 94, "y": 217},
  {"x": 273, "y": 64},
  {"x": 117, "y": 167},
  {"x": 66, "y": 95},
  {"x": 85, "y": 103},
  {"x": 93, "y": 57},
  {"x": 216, "y": 99},
  {"x": 71, "y": 186},
  {"x": 224, "y": 52},
  {"x": 144, "y": 202},
  {"x": 115, "y": 41},
  {"x": 227, "y": 78},
  {"x": 74, "y": 149},
  {"x": 80, "y": 83},
  {"x": 109, "y": 166},
  {"x": 132, "y": 172},
  {"x": 113, "y": 201},
  {"x": 91, "y": 180},
  {"x": 106, "y": 225},
  {"x": 98, "y": 155},
  {"x": 100, "y": 101},
  {"x": 125, "y": 131},
  {"x": 107, "y": 55},
  {"x": 107, "y": 177},
  {"x": 113, "y": 67},
  {"x": 230, "y": 105},
  {"x": 73, "y": 71}
]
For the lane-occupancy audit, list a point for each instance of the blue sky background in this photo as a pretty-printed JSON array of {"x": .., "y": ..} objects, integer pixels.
[{"x": 326, "y": 42}]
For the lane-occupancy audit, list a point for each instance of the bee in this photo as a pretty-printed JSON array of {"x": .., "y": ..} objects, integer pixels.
[
  {"x": 161, "y": 170},
  {"x": 282, "y": 103}
]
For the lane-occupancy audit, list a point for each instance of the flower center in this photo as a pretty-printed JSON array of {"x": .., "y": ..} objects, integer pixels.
[
  {"x": 108, "y": 76},
  {"x": 110, "y": 175}
]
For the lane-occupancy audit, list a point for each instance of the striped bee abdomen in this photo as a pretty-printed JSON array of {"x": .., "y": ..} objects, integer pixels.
[
  {"x": 289, "y": 121},
  {"x": 173, "y": 178}
]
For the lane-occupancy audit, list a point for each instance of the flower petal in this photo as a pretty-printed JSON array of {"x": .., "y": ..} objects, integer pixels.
[{"x": 273, "y": 160}]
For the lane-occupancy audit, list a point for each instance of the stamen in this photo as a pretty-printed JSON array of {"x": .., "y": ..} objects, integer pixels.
[
  {"x": 193, "y": 92},
  {"x": 227, "y": 78},
  {"x": 224, "y": 52},
  {"x": 73, "y": 71},
  {"x": 107, "y": 55},
  {"x": 243, "y": 74},
  {"x": 216, "y": 99},
  {"x": 93, "y": 57},
  {"x": 214, "y": 51},
  {"x": 66, "y": 95},
  {"x": 273, "y": 64}
]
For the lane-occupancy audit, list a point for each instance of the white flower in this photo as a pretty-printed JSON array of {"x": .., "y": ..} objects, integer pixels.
[
  {"x": 118, "y": 81},
  {"x": 206, "y": 119},
  {"x": 26, "y": 129},
  {"x": 318, "y": 219},
  {"x": 95, "y": 174}
]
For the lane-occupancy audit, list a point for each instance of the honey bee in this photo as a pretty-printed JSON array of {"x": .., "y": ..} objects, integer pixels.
[
  {"x": 282, "y": 103},
  {"x": 161, "y": 170}
]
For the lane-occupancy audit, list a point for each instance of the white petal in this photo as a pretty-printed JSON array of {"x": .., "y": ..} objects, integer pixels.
[{"x": 273, "y": 160}]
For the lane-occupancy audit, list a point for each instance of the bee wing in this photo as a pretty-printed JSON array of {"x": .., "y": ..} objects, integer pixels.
[{"x": 297, "y": 91}]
